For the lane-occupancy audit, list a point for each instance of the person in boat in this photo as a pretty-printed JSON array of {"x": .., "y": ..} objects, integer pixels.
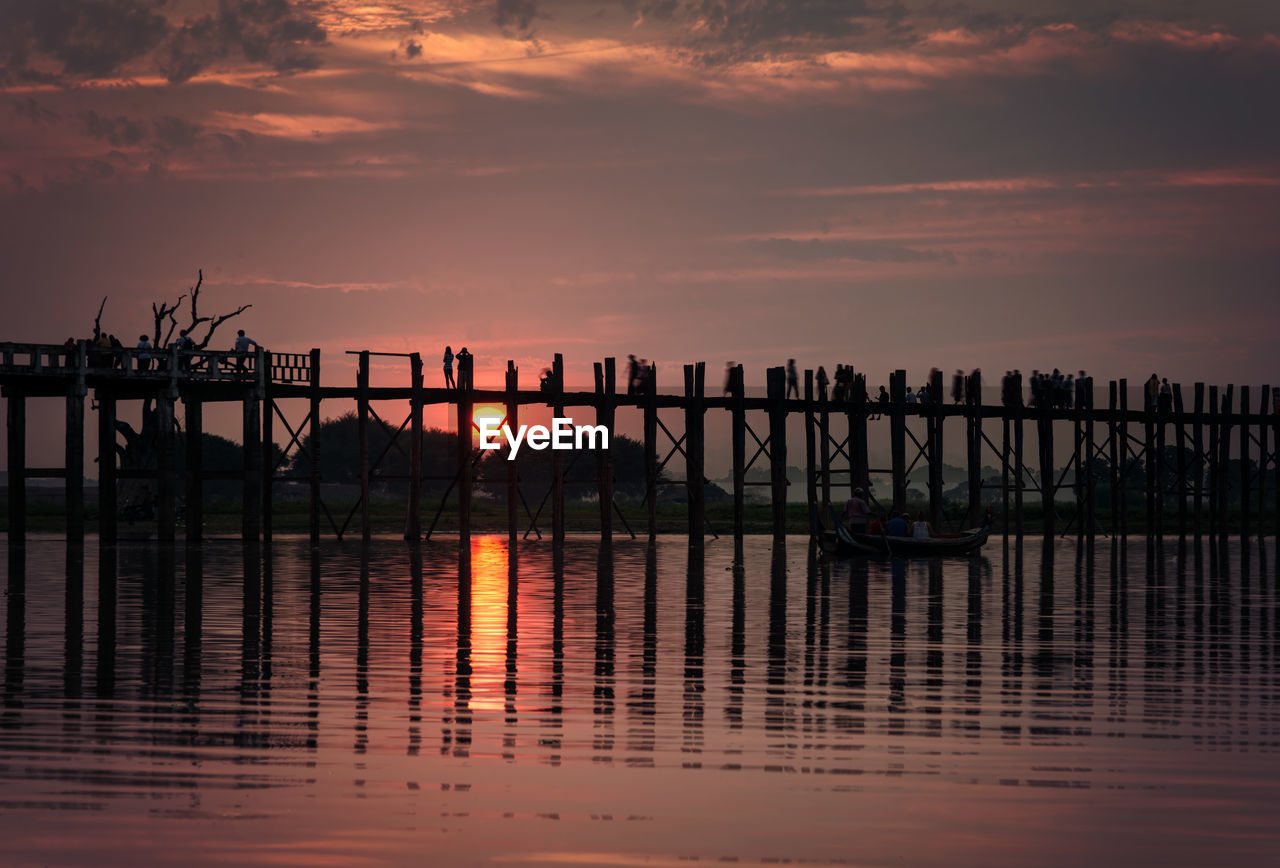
[
  {"x": 877, "y": 525},
  {"x": 921, "y": 529},
  {"x": 899, "y": 525},
  {"x": 856, "y": 512}
]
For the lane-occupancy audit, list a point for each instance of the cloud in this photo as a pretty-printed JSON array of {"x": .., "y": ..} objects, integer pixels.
[
  {"x": 118, "y": 131},
  {"x": 273, "y": 33},
  {"x": 819, "y": 250},
  {"x": 515, "y": 15},
  {"x": 60, "y": 40},
  {"x": 33, "y": 111},
  {"x": 81, "y": 38}
]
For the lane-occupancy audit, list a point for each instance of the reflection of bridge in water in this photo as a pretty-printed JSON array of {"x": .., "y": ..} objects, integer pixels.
[
  {"x": 1033, "y": 670},
  {"x": 1197, "y": 467}
]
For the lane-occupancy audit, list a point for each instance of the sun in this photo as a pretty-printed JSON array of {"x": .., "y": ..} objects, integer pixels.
[{"x": 496, "y": 414}]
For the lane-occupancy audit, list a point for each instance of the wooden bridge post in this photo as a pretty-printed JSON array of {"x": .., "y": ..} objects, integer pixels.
[
  {"x": 1212, "y": 471},
  {"x": 557, "y": 464},
  {"x": 1019, "y": 467},
  {"x": 17, "y": 430},
  {"x": 1197, "y": 467},
  {"x": 1090, "y": 479},
  {"x": 313, "y": 476},
  {"x": 606, "y": 386},
  {"x": 1149, "y": 413},
  {"x": 73, "y": 487},
  {"x": 694, "y": 385},
  {"x": 466, "y": 399},
  {"x": 194, "y": 419},
  {"x": 1122, "y": 435},
  {"x": 973, "y": 408},
  {"x": 898, "y": 437},
  {"x": 251, "y": 489},
  {"x": 1180, "y": 460},
  {"x": 1263, "y": 458},
  {"x": 1044, "y": 438},
  {"x": 513, "y": 478},
  {"x": 413, "y": 517},
  {"x": 934, "y": 420},
  {"x": 107, "y": 495},
  {"x": 362, "y": 418},
  {"x": 651, "y": 450},
  {"x": 1004, "y": 470},
  {"x": 1224, "y": 463},
  {"x": 810, "y": 446},
  {"x": 824, "y": 447},
  {"x": 1078, "y": 414},
  {"x": 859, "y": 466},
  {"x": 1113, "y": 454},
  {"x": 268, "y": 446},
  {"x": 1244, "y": 465},
  {"x": 739, "y": 436},
  {"x": 776, "y": 384},
  {"x": 166, "y": 481}
]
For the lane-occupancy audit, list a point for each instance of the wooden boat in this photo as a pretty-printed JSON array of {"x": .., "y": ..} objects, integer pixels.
[{"x": 843, "y": 543}]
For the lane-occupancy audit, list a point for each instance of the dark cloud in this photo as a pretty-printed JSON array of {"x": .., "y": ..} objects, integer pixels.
[
  {"x": 118, "y": 131},
  {"x": 274, "y": 33},
  {"x": 515, "y": 15},
  {"x": 412, "y": 49},
  {"x": 174, "y": 134},
  {"x": 33, "y": 111},
  {"x": 85, "y": 38},
  {"x": 53, "y": 40}
]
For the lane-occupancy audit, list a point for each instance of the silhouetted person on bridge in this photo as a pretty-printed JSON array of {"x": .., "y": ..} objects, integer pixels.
[
  {"x": 243, "y": 342},
  {"x": 633, "y": 374},
  {"x": 466, "y": 375},
  {"x": 793, "y": 381},
  {"x": 144, "y": 353},
  {"x": 448, "y": 369},
  {"x": 821, "y": 377}
]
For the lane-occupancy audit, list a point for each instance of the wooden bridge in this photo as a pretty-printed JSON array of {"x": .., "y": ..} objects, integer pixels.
[{"x": 265, "y": 383}]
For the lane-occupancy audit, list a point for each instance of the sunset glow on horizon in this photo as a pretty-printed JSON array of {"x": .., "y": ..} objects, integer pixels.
[{"x": 991, "y": 185}]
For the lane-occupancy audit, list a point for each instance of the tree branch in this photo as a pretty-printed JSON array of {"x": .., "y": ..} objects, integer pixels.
[{"x": 97, "y": 321}]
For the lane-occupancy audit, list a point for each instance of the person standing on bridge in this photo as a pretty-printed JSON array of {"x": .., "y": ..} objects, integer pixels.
[
  {"x": 793, "y": 381},
  {"x": 144, "y": 354},
  {"x": 466, "y": 375},
  {"x": 448, "y": 369},
  {"x": 243, "y": 342}
]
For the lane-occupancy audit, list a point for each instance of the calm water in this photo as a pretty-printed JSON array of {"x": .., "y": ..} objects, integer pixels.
[{"x": 639, "y": 707}]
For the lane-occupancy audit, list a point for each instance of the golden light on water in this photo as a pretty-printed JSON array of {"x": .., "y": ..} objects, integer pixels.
[{"x": 489, "y": 562}]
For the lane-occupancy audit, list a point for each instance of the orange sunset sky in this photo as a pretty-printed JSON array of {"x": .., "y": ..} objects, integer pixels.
[{"x": 894, "y": 184}]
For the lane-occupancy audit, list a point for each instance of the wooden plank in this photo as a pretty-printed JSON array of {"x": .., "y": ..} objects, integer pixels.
[
  {"x": 898, "y": 438},
  {"x": 315, "y": 395},
  {"x": 738, "y": 434},
  {"x": 1197, "y": 467},
  {"x": 1180, "y": 468},
  {"x": 362, "y": 418},
  {"x": 413, "y": 516},
  {"x": 513, "y": 478},
  {"x": 1245, "y": 516},
  {"x": 776, "y": 391},
  {"x": 973, "y": 427},
  {"x": 810, "y": 447},
  {"x": 651, "y": 451},
  {"x": 557, "y": 464},
  {"x": 934, "y": 421}
]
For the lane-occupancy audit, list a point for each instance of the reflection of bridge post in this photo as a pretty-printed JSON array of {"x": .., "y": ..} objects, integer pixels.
[
  {"x": 694, "y": 651},
  {"x": 415, "y": 646},
  {"x": 15, "y": 632},
  {"x": 17, "y": 481},
  {"x": 460, "y": 733},
  {"x": 105, "y": 678},
  {"x": 603, "y": 688},
  {"x": 776, "y": 677}
]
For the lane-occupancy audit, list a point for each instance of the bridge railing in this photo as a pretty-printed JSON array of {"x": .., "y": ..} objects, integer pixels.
[{"x": 130, "y": 362}]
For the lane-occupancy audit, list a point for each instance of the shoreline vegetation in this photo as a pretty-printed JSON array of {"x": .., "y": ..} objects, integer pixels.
[{"x": 582, "y": 517}]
